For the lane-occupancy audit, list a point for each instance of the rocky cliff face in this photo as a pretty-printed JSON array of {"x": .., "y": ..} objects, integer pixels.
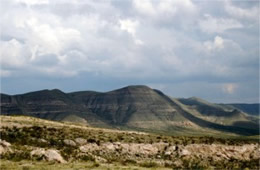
[
  {"x": 46, "y": 104},
  {"x": 131, "y": 107}
]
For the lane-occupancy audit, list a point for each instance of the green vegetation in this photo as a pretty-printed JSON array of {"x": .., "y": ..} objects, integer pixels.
[
  {"x": 55, "y": 136},
  {"x": 27, "y": 134},
  {"x": 39, "y": 165}
]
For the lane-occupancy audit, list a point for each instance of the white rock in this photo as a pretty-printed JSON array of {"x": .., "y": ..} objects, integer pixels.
[
  {"x": 69, "y": 142},
  {"x": 42, "y": 141},
  {"x": 168, "y": 153},
  {"x": 185, "y": 152},
  {"x": 109, "y": 146},
  {"x": 53, "y": 155},
  {"x": 89, "y": 147},
  {"x": 49, "y": 155},
  {"x": 81, "y": 141},
  {"x": 4, "y": 143},
  {"x": 38, "y": 152},
  {"x": 5, "y": 147}
]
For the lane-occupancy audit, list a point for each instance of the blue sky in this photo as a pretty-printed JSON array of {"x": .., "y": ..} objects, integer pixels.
[{"x": 208, "y": 49}]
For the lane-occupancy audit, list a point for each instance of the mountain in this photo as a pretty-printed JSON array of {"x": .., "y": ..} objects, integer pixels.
[
  {"x": 252, "y": 109},
  {"x": 133, "y": 107},
  {"x": 224, "y": 114}
]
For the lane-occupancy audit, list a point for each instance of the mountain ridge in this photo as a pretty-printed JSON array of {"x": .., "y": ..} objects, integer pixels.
[{"x": 134, "y": 106}]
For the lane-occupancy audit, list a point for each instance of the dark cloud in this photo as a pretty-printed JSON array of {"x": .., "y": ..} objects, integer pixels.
[{"x": 185, "y": 48}]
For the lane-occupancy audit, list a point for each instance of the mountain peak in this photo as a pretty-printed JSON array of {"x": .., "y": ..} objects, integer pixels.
[
  {"x": 197, "y": 100},
  {"x": 45, "y": 91},
  {"x": 134, "y": 89},
  {"x": 56, "y": 90},
  {"x": 137, "y": 87}
]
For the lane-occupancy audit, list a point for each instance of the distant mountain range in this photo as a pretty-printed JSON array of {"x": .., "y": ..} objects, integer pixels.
[{"x": 136, "y": 107}]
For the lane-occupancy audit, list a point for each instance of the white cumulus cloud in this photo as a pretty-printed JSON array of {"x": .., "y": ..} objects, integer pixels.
[
  {"x": 211, "y": 24},
  {"x": 146, "y": 41},
  {"x": 217, "y": 44},
  {"x": 244, "y": 13}
]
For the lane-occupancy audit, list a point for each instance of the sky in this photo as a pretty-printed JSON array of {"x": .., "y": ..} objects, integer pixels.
[{"x": 185, "y": 48}]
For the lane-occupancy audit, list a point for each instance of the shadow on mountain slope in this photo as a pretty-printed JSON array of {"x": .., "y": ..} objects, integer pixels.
[{"x": 207, "y": 124}]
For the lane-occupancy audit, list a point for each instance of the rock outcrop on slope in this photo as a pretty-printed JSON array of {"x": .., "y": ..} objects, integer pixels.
[
  {"x": 5, "y": 147},
  {"x": 47, "y": 141},
  {"x": 48, "y": 155}
]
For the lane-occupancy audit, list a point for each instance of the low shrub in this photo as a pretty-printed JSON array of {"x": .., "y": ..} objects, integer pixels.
[{"x": 149, "y": 164}]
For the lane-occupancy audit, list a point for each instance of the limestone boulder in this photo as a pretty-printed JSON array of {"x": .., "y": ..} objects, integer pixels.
[
  {"x": 81, "y": 141},
  {"x": 69, "y": 142},
  {"x": 5, "y": 147},
  {"x": 49, "y": 155}
]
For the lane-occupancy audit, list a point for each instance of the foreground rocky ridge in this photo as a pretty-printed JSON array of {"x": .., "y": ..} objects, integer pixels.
[
  {"x": 33, "y": 139},
  {"x": 160, "y": 154}
]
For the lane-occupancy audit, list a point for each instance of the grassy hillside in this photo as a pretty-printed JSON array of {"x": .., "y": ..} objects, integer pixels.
[{"x": 32, "y": 142}]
